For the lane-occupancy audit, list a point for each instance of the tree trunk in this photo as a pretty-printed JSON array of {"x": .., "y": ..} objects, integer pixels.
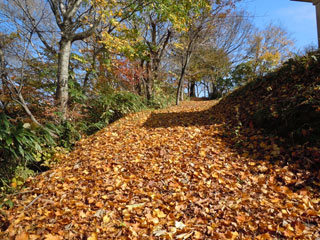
[
  {"x": 215, "y": 94},
  {"x": 149, "y": 90},
  {"x": 181, "y": 79},
  {"x": 192, "y": 89},
  {"x": 86, "y": 80},
  {"x": 63, "y": 74},
  {"x": 149, "y": 81},
  {"x": 179, "y": 90},
  {"x": 138, "y": 88},
  {"x": 208, "y": 88}
]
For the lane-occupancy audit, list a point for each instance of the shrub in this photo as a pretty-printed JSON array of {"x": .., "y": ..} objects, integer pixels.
[
  {"x": 163, "y": 96},
  {"x": 18, "y": 142},
  {"x": 20, "y": 146},
  {"x": 109, "y": 107}
]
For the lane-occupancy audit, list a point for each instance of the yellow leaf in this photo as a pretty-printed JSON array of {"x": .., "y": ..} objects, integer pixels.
[
  {"x": 93, "y": 236},
  {"x": 106, "y": 219},
  {"x": 14, "y": 184},
  {"x": 34, "y": 237},
  {"x": 197, "y": 235},
  {"x": 155, "y": 220},
  {"x": 133, "y": 206},
  {"x": 159, "y": 213},
  {"x": 215, "y": 175},
  {"x": 179, "y": 225},
  {"x": 202, "y": 153},
  {"x": 288, "y": 233},
  {"x": 184, "y": 235},
  {"x": 220, "y": 180}
]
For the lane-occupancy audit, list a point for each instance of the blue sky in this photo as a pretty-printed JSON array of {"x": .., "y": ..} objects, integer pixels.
[{"x": 298, "y": 18}]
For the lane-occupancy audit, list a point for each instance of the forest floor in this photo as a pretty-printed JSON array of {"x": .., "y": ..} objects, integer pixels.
[{"x": 169, "y": 174}]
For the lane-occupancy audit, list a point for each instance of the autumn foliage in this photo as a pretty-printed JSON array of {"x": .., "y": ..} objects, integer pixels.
[
  {"x": 84, "y": 154},
  {"x": 201, "y": 170}
]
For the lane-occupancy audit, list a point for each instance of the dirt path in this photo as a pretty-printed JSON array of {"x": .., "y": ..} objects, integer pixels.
[{"x": 168, "y": 174}]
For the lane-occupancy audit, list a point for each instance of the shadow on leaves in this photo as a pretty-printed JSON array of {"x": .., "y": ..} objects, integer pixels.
[{"x": 182, "y": 119}]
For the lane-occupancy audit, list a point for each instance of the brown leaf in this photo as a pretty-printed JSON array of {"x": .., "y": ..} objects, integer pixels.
[
  {"x": 231, "y": 235},
  {"x": 299, "y": 228},
  {"x": 265, "y": 236}
]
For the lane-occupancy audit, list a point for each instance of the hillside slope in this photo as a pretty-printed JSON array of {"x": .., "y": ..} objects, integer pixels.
[
  {"x": 282, "y": 110},
  {"x": 285, "y": 102},
  {"x": 203, "y": 170}
]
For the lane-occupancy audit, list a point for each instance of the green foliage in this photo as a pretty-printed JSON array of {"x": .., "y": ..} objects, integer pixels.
[
  {"x": 18, "y": 142},
  {"x": 69, "y": 132},
  {"x": 109, "y": 106},
  {"x": 76, "y": 93},
  {"x": 242, "y": 74},
  {"x": 50, "y": 156},
  {"x": 120, "y": 104},
  {"x": 20, "y": 148},
  {"x": 163, "y": 97}
]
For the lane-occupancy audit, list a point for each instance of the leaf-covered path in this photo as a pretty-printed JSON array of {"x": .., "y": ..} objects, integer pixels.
[{"x": 168, "y": 174}]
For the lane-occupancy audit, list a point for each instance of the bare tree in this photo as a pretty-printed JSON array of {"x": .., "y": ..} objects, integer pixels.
[
  {"x": 232, "y": 34},
  {"x": 76, "y": 20},
  {"x": 197, "y": 33},
  {"x": 15, "y": 90},
  {"x": 156, "y": 31}
]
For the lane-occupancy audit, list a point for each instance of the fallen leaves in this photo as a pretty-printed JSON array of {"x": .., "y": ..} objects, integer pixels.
[{"x": 164, "y": 180}]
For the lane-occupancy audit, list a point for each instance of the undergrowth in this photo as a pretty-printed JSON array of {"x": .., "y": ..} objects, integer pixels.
[{"x": 26, "y": 150}]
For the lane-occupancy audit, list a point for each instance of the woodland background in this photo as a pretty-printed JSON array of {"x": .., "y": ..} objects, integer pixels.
[{"x": 70, "y": 67}]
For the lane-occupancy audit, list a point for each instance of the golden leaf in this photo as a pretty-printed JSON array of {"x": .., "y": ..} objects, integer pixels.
[
  {"x": 265, "y": 236},
  {"x": 34, "y": 237},
  {"x": 231, "y": 235},
  {"x": 197, "y": 235},
  {"x": 99, "y": 204},
  {"x": 184, "y": 235},
  {"x": 179, "y": 225},
  {"x": 155, "y": 220},
  {"x": 202, "y": 153},
  {"x": 93, "y": 236},
  {"x": 106, "y": 219},
  {"x": 52, "y": 237},
  {"x": 22, "y": 236},
  {"x": 159, "y": 213},
  {"x": 288, "y": 233}
]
